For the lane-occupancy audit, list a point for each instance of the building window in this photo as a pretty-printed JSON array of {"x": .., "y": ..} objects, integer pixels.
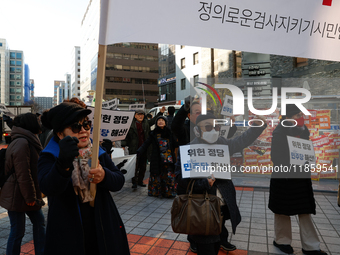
[
  {"x": 12, "y": 55},
  {"x": 196, "y": 58},
  {"x": 0, "y": 44},
  {"x": 299, "y": 62},
  {"x": 237, "y": 64},
  {"x": 182, "y": 63},
  {"x": 19, "y": 63},
  {"x": 19, "y": 55},
  {"x": 182, "y": 84},
  {"x": 195, "y": 80}
]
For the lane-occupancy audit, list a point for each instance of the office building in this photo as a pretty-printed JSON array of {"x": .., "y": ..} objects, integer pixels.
[
  {"x": 16, "y": 77},
  {"x": 167, "y": 74},
  {"x": 4, "y": 72},
  {"x": 73, "y": 88},
  {"x": 131, "y": 70},
  {"x": 59, "y": 90},
  {"x": 44, "y": 103}
]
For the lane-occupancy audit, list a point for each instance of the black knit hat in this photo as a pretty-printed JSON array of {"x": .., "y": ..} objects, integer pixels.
[
  {"x": 63, "y": 115},
  {"x": 292, "y": 109},
  {"x": 164, "y": 118},
  {"x": 205, "y": 117}
]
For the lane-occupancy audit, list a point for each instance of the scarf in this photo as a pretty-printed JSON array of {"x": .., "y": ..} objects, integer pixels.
[{"x": 81, "y": 183}]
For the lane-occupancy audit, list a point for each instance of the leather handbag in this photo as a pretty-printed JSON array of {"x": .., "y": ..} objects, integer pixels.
[{"x": 196, "y": 214}]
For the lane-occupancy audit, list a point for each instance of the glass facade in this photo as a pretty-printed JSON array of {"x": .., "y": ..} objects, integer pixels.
[
  {"x": 16, "y": 76},
  {"x": 167, "y": 72}
]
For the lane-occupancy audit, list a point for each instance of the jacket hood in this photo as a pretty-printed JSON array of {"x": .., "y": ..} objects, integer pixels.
[{"x": 18, "y": 132}]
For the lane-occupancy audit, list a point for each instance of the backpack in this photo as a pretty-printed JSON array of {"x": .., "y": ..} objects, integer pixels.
[{"x": 3, "y": 176}]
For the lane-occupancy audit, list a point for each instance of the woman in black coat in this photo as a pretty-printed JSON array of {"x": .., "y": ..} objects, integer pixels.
[
  {"x": 64, "y": 173},
  {"x": 162, "y": 176},
  {"x": 291, "y": 193}
]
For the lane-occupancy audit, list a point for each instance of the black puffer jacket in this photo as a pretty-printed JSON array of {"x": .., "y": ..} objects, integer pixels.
[
  {"x": 289, "y": 196},
  {"x": 22, "y": 186},
  {"x": 156, "y": 164}
]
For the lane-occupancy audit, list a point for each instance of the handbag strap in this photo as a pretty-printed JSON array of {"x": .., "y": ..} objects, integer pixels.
[{"x": 192, "y": 186}]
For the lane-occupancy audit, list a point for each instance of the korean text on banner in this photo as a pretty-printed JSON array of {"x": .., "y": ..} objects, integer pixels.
[
  {"x": 111, "y": 104},
  {"x": 202, "y": 160},
  {"x": 134, "y": 107},
  {"x": 114, "y": 124},
  {"x": 301, "y": 151},
  {"x": 304, "y": 28},
  {"x": 227, "y": 108}
]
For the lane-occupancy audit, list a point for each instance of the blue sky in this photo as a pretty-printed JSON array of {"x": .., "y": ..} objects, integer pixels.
[{"x": 46, "y": 30}]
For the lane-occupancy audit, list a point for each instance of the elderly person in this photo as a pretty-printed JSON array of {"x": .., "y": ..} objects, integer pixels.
[
  {"x": 290, "y": 193},
  {"x": 208, "y": 133},
  {"x": 74, "y": 226},
  {"x": 137, "y": 135},
  {"x": 162, "y": 175},
  {"x": 20, "y": 194}
]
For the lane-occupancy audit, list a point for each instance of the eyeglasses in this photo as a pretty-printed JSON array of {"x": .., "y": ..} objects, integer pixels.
[
  {"x": 76, "y": 127},
  {"x": 210, "y": 127}
]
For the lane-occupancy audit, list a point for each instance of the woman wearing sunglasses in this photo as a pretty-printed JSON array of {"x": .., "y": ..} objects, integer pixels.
[{"x": 73, "y": 226}]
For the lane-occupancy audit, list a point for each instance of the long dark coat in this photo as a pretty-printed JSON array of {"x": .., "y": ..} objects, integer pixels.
[
  {"x": 156, "y": 164},
  {"x": 289, "y": 196},
  {"x": 226, "y": 187},
  {"x": 21, "y": 187},
  {"x": 131, "y": 139},
  {"x": 64, "y": 232}
]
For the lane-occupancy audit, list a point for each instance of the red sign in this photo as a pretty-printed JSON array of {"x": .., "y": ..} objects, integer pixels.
[{"x": 327, "y": 2}]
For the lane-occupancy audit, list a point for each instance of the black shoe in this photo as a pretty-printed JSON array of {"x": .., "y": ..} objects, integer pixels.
[
  {"x": 134, "y": 186},
  {"x": 286, "y": 248},
  {"x": 228, "y": 246},
  {"x": 314, "y": 252},
  {"x": 141, "y": 184},
  {"x": 193, "y": 247}
]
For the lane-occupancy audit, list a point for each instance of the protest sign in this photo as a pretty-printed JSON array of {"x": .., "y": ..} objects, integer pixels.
[
  {"x": 128, "y": 165},
  {"x": 301, "y": 151},
  {"x": 202, "y": 160},
  {"x": 134, "y": 107},
  {"x": 111, "y": 104},
  {"x": 114, "y": 124},
  {"x": 304, "y": 28},
  {"x": 227, "y": 108}
]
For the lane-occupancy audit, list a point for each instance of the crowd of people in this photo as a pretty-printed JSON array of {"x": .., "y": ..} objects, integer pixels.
[{"x": 50, "y": 154}]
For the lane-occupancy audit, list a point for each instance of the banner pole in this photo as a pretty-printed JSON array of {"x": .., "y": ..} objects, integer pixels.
[{"x": 97, "y": 113}]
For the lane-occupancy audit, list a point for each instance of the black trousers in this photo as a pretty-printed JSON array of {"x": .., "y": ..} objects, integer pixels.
[
  {"x": 140, "y": 169},
  {"x": 208, "y": 249}
]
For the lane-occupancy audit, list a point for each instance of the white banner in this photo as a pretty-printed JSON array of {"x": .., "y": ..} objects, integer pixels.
[
  {"x": 227, "y": 108},
  {"x": 134, "y": 107},
  {"x": 114, "y": 124},
  {"x": 4, "y": 110},
  {"x": 301, "y": 151},
  {"x": 300, "y": 28},
  {"x": 127, "y": 165},
  {"x": 202, "y": 160},
  {"x": 111, "y": 104}
]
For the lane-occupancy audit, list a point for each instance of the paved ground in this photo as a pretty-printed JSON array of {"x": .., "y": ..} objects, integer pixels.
[{"x": 147, "y": 222}]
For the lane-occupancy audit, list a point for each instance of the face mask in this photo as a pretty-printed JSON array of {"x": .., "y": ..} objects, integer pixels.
[
  {"x": 211, "y": 137},
  {"x": 300, "y": 122}
]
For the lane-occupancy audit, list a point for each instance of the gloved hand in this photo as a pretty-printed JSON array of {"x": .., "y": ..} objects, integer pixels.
[{"x": 68, "y": 151}]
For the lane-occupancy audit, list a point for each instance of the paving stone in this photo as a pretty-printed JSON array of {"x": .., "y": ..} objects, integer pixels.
[{"x": 258, "y": 247}]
